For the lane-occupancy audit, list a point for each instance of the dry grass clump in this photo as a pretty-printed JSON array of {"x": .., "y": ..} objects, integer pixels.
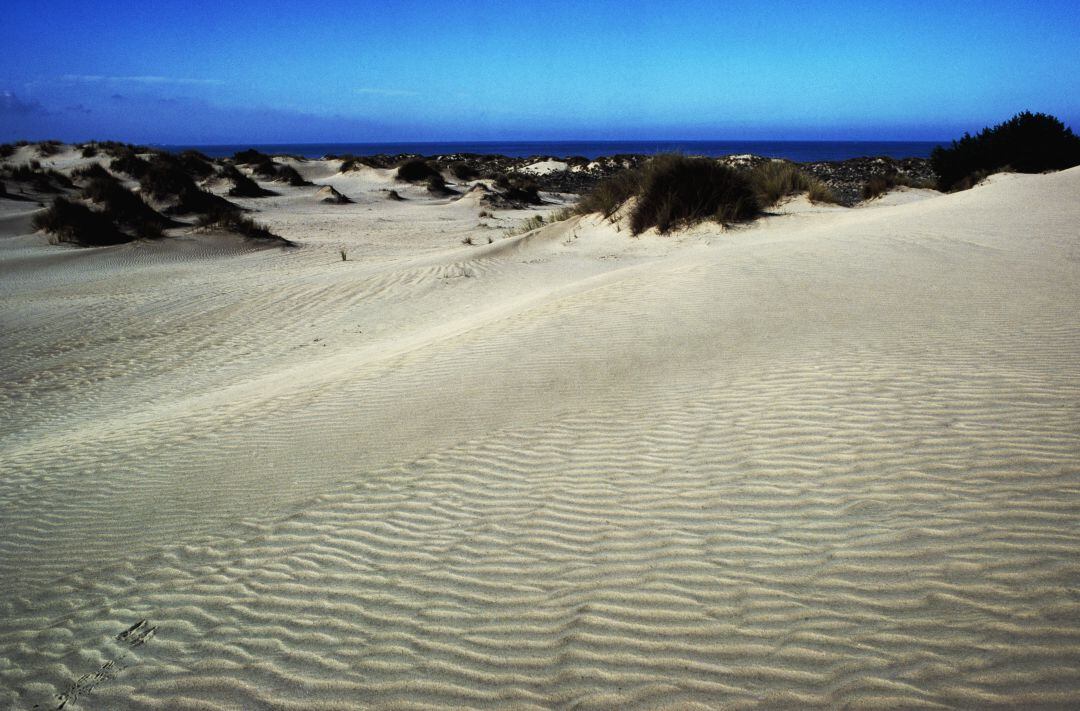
[
  {"x": 880, "y": 184},
  {"x": 125, "y": 208},
  {"x": 288, "y": 174},
  {"x": 236, "y": 222},
  {"x": 75, "y": 223},
  {"x": 775, "y": 180},
  {"x": 126, "y": 161},
  {"x": 518, "y": 188},
  {"x": 244, "y": 186},
  {"x": 676, "y": 191},
  {"x": 44, "y": 180},
  {"x": 463, "y": 170},
  {"x": 611, "y": 194}
]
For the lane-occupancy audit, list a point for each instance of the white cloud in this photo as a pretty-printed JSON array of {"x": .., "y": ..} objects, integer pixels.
[
  {"x": 386, "y": 92},
  {"x": 142, "y": 79}
]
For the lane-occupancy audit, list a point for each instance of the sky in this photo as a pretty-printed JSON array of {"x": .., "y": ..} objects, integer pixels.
[{"x": 198, "y": 72}]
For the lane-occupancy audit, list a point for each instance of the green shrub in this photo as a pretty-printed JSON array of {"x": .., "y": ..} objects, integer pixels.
[{"x": 1029, "y": 143}]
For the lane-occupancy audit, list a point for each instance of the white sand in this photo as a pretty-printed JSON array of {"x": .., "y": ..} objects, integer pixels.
[
  {"x": 831, "y": 459},
  {"x": 545, "y": 167}
]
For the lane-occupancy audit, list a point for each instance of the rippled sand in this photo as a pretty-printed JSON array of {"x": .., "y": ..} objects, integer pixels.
[{"x": 832, "y": 459}]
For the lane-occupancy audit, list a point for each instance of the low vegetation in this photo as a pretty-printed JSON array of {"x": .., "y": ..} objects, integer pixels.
[
  {"x": 43, "y": 180},
  {"x": 7, "y": 150},
  {"x": 881, "y": 184},
  {"x": 127, "y": 162},
  {"x": 236, "y": 222},
  {"x": 288, "y": 174},
  {"x": 519, "y": 188},
  {"x": 417, "y": 171},
  {"x": 125, "y": 208},
  {"x": 776, "y": 180},
  {"x": 1026, "y": 143},
  {"x": 462, "y": 170},
  {"x": 243, "y": 186},
  {"x": 673, "y": 191},
  {"x": 75, "y": 223}
]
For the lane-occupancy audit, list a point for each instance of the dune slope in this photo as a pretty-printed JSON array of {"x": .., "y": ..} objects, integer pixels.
[{"x": 828, "y": 460}]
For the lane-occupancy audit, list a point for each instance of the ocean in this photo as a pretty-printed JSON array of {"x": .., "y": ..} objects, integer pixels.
[{"x": 798, "y": 151}]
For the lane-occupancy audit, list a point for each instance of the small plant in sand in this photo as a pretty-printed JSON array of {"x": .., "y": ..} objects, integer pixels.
[
  {"x": 485, "y": 213},
  {"x": 344, "y": 256},
  {"x": 468, "y": 241}
]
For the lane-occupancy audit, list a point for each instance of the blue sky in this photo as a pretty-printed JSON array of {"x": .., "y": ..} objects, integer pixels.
[{"x": 259, "y": 72}]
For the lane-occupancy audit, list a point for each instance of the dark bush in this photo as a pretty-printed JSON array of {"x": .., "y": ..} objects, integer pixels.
[
  {"x": 241, "y": 225},
  {"x": 91, "y": 171},
  {"x": 416, "y": 171},
  {"x": 49, "y": 148},
  {"x": 7, "y": 150},
  {"x": 678, "y": 191},
  {"x": 130, "y": 164},
  {"x": 196, "y": 164},
  {"x": 165, "y": 179},
  {"x": 244, "y": 186},
  {"x": 464, "y": 171},
  {"x": 42, "y": 180},
  {"x": 290, "y": 175},
  {"x": 250, "y": 157},
  {"x": 71, "y": 222},
  {"x": 1028, "y": 143},
  {"x": 123, "y": 206},
  {"x": 394, "y": 195},
  {"x": 518, "y": 188},
  {"x": 89, "y": 151},
  {"x": 436, "y": 185}
]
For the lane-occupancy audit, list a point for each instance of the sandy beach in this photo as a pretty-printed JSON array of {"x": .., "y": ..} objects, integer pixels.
[{"x": 827, "y": 459}]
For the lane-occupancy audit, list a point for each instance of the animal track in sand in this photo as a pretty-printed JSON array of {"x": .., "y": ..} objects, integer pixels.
[{"x": 135, "y": 636}]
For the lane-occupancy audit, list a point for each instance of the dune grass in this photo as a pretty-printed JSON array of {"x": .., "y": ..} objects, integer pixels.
[
  {"x": 776, "y": 180},
  {"x": 75, "y": 223},
  {"x": 673, "y": 191}
]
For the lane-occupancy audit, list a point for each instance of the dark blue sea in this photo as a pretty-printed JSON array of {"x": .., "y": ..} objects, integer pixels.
[{"x": 799, "y": 151}]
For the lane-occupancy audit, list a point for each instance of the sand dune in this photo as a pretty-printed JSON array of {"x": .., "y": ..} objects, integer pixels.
[{"x": 827, "y": 460}]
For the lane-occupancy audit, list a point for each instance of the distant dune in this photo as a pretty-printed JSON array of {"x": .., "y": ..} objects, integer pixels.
[{"x": 829, "y": 459}]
